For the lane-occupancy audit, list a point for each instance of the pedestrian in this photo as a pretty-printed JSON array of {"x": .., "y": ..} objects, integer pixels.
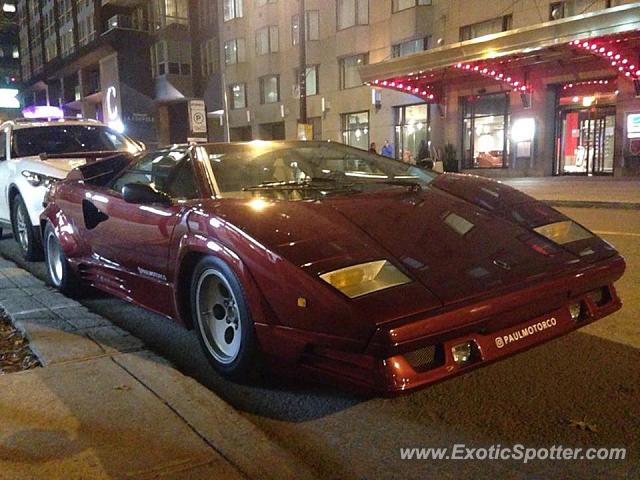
[
  {"x": 373, "y": 148},
  {"x": 387, "y": 149}
]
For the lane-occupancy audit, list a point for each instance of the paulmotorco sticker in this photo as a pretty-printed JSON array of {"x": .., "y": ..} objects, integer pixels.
[{"x": 525, "y": 332}]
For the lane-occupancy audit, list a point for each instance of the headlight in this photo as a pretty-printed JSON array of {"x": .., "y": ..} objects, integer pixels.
[
  {"x": 358, "y": 280},
  {"x": 563, "y": 232},
  {"x": 37, "y": 179}
]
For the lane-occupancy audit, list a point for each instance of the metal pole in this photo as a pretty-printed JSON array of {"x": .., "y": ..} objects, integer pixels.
[{"x": 302, "y": 32}]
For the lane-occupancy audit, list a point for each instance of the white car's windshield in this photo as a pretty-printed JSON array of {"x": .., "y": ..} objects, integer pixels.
[
  {"x": 61, "y": 139},
  {"x": 318, "y": 168}
]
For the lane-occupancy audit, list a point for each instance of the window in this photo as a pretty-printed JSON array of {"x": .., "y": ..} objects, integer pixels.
[
  {"x": 355, "y": 129},
  {"x": 234, "y": 51},
  {"x": 311, "y": 77},
  {"x": 267, "y": 40},
  {"x": 206, "y": 12},
  {"x": 170, "y": 172},
  {"x": 412, "y": 133},
  {"x": 312, "y": 27},
  {"x": 262, "y": 3},
  {"x": 237, "y": 96},
  {"x": 85, "y": 29},
  {"x": 349, "y": 75},
  {"x": 171, "y": 57},
  {"x": 399, "y": 5},
  {"x": 411, "y": 46},
  {"x": 316, "y": 125},
  {"x": 168, "y": 12},
  {"x": 66, "y": 42},
  {"x": 232, "y": 9},
  {"x": 66, "y": 139},
  {"x": 485, "y": 121},
  {"x": 480, "y": 29},
  {"x": 352, "y": 12},
  {"x": 270, "y": 89},
  {"x": 569, "y": 8},
  {"x": 209, "y": 57}
]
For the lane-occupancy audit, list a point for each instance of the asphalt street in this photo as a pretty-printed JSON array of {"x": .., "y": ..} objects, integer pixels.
[{"x": 590, "y": 376}]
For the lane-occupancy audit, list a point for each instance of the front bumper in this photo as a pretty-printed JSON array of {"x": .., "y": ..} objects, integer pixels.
[{"x": 414, "y": 355}]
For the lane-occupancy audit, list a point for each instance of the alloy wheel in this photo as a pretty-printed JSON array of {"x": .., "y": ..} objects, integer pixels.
[
  {"x": 54, "y": 259},
  {"x": 218, "y": 316},
  {"x": 21, "y": 227}
]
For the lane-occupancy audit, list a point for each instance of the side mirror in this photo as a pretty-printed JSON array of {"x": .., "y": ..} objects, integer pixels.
[{"x": 144, "y": 194}]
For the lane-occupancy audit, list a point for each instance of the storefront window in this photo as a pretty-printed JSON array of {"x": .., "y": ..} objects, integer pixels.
[
  {"x": 355, "y": 129},
  {"x": 412, "y": 133},
  {"x": 485, "y": 121}
]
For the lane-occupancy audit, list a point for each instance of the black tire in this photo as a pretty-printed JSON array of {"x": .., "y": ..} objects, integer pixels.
[
  {"x": 27, "y": 236},
  {"x": 60, "y": 274},
  {"x": 213, "y": 275}
]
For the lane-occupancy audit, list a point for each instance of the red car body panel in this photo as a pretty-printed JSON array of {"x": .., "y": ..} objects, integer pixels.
[{"x": 475, "y": 286}]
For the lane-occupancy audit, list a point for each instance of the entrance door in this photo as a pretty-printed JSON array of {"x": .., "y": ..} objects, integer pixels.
[{"x": 586, "y": 140}]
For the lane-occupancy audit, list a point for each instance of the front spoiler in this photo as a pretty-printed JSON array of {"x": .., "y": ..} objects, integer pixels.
[{"x": 393, "y": 373}]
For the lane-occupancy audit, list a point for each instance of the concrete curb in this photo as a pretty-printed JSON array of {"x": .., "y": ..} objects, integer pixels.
[
  {"x": 63, "y": 332},
  {"x": 593, "y": 204}
]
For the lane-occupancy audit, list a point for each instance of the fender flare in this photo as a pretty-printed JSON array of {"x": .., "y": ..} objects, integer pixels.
[
  {"x": 191, "y": 248},
  {"x": 71, "y": 243}
]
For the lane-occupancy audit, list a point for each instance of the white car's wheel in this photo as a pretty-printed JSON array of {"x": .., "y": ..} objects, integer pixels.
[{"x": 26, "y": 235}]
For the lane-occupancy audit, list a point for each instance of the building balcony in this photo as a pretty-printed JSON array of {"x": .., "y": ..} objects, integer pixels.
[
  {"x": 125, "y": 22},
  {"x": 124, "y": 3}
]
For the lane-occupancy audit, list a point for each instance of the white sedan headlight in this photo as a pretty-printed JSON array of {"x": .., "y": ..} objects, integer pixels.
[
  {"x": 37, "y": 179},
  {"x": 358, "y": 280}
]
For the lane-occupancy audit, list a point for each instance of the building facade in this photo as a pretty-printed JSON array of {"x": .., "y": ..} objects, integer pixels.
[
  {"x": 577, "y": 107},
  {"x": 9, "y": 61},
  {"x": 133, "y": 64}
]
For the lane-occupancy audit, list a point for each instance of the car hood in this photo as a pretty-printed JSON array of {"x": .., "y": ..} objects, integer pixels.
[
  {"x": 454, "y": 248},
  {"x": 53, "y": 167}
]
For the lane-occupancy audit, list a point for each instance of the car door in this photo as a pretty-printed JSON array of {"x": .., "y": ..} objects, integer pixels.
[
  {"x": 132, "y": 241},
  {"x": 4, "y": 175}
]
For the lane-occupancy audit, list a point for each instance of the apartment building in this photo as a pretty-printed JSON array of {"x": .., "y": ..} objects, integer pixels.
[
  {"x": 133, "y": 64},
  {"x": 9, "y": 61},
  {"x": 578, "y": 106}
]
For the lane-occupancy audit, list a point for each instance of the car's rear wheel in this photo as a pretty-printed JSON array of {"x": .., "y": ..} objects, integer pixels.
[
  {"x": 223, "y": 320},
  {"x": 26, "y": 235},
  {"x": 60, "y": 274}
]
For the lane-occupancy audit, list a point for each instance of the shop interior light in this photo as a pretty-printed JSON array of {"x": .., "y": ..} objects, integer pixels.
[
  {"x": 8, "y": 98},
  {"x": 523, "y": 129}
]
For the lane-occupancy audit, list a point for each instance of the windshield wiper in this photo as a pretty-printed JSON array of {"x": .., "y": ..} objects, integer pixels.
[
  {"x": 308, "y": 183},
  {"x": 402, "y": 183}
]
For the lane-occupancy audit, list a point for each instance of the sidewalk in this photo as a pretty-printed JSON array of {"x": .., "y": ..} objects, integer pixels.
[
  {"x": 105, "y": 407},
  {"x": 603, "y": 192}
]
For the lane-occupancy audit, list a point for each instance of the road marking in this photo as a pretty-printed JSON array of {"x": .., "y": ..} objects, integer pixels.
[{"x": 628, "y": 234}]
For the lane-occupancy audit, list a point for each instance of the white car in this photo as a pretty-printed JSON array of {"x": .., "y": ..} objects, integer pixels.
[{"x": 33, "y": 154}]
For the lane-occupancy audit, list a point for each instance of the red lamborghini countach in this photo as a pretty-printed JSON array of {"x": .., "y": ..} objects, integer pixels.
[{"x": 316, "y": 257}]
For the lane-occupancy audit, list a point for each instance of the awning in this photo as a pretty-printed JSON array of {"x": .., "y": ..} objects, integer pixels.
[{"x": 555, "y": 40}]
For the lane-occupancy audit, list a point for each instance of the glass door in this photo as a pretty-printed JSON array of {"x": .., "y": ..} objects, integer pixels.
[{"x": 586, "y": 141}]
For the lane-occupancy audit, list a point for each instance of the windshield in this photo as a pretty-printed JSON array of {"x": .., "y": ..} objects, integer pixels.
[
  {"x": 61, "y": 139},
  {"x": 301, "y": 170}
]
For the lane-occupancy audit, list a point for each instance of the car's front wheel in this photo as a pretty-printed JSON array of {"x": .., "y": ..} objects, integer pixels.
[
  {"x": 60, "y": 274},
  {"x": 26, "y": 235},
  {"x": 223, "y": 319}
]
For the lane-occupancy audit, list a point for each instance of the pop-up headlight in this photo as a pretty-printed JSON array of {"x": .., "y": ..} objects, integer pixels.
[
  {"x": 563, "y": 232},
  {"x": 358, "y": 280}
]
